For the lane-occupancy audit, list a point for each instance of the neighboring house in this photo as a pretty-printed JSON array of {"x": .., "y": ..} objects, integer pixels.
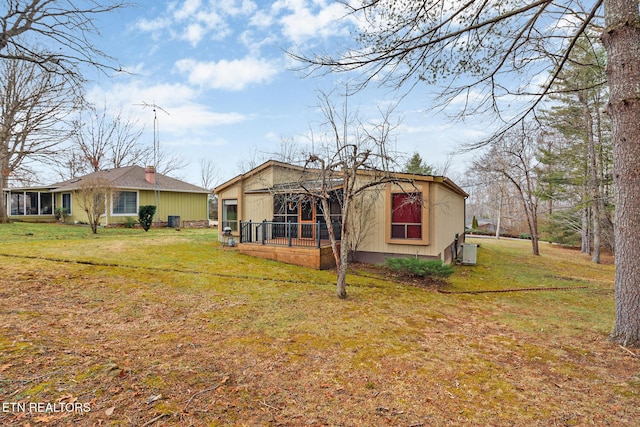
[
  {"x": 132, "y": 187},
  {"x": 488, "y": 225},
  {"x": 269, "y": 216},
  {"x": 484, "y": 225}
]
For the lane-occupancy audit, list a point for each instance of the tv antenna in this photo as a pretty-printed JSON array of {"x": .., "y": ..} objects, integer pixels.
[
  {"x": 156, "y": 128},
  {"x": 156, "y": 146}
]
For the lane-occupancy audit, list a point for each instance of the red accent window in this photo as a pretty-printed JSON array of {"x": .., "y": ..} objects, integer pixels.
[{"x": 406, "y": 216}]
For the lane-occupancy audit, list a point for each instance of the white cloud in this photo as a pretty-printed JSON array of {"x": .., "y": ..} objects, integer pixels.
[
  {"x": 178, "y": 110},
  {"x": 193, "y": 21},
  {"x": 303, "y": 20},
  {"x": 255, "y": 41},
  {"x": 237, "y": 7},
  {"x": 234, "y": 75},
  {"x": 196, "y": 119},
  {"x": 193, "y": 34},
  {"x": 153, "y": 25},
  {"x": 186, "y": 10},
  {"x": 261, "y": 19}
]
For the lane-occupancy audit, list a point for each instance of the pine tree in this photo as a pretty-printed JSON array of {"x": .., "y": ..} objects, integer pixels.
[
  {"x": 474, "y": 223},
  {"x": 417, "y": 166}
]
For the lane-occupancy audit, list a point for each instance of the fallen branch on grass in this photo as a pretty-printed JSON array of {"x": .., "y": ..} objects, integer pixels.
[
  {"x": 153, "y": 420},
  {"x": 223, "y": 382},
  {"x": 628, "y": 351},
  {"x": 269, "y": 406},
  {"x": 493, "y": 291}
]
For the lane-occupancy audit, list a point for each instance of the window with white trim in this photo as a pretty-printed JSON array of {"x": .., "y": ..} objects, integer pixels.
[
  {"x": 66, "y": 202},
  {"x": 125, "y": 203},
  {"x": 230, "y": 214}
]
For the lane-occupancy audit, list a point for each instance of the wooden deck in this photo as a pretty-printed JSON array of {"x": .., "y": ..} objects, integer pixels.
[{"x": 307, "y": 256}]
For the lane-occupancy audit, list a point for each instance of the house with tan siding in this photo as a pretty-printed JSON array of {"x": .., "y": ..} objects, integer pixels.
[
  {"x": 131, "y": 187},
  {"x": 270, "y": 214}
]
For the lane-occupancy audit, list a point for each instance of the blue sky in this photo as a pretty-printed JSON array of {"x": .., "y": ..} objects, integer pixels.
[{"x": 231, "y": 94}]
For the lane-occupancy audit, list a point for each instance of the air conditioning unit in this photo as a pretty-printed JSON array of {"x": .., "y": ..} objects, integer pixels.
[{"x": 469, "y": 253}]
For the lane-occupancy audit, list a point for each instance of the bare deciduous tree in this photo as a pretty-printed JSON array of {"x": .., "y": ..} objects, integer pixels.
[
  {"x": 354, "y": 159},
  {"x": 53, "y": 39},
  {"x": 56, "y": 35},
  {"x": 289, "y": 151},
  {"x": 513, "y": 157},
  {"x": 93, "y": 198},
  {"x": 209, "y": 174},
  {"x": 101, "y": 140},
  {"x": 166, "y": 162},
  {"x": 34, "y": 107}
]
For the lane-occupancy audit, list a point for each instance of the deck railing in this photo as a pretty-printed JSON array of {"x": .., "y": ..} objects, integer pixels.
[{"x": 310, "y": 234}]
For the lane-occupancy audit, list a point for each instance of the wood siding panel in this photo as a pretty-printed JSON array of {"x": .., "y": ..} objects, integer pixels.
[
  {"x": 371, "y": 223},
  {"x": 377, "y": 236},
  {"x": 448, "y": 214},
  {"x": 188, "y": 206},
  {"x": 229, "y": 193},
  {"x": 319, "y": 259},
  {"x": 259, "y": 181},
  {"x": 445, "y": 218},
  {"x": 257, "y": 207}
]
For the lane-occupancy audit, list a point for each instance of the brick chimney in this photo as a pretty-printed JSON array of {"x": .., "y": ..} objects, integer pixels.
[{"x": 150, "y": 174}]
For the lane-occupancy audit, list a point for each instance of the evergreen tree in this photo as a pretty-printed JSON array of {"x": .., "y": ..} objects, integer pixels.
[
  {"x": 580, "y": 159},
  {"x": 417, "y": 166}
]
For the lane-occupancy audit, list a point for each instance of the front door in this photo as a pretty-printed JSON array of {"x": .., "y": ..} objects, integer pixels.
[{"x": 307, "y": 218}]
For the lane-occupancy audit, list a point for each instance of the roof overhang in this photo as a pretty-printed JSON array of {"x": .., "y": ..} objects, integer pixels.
[{"x": 300, "y": 187}]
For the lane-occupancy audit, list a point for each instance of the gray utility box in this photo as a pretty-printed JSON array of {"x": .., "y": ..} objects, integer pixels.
[
  {"x": 469, "y": 253},
  {"x": 173, "y": 221}
]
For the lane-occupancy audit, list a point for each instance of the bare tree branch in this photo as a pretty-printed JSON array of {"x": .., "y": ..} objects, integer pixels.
[
  {"x": 34, "y": 114},
  {"x": 57, "y": 35}
]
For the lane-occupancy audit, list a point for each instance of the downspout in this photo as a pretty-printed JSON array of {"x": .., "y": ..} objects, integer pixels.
[
  {"x": 464, "y": 220},
  {"x": 106, "y": 209}
]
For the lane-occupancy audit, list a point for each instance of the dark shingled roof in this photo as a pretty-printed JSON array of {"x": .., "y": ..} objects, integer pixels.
[{"x": 133, "y": 178}]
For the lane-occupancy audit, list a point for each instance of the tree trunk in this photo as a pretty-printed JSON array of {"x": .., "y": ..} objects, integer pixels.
[
  {"x": 4, "y": 218},
  {"x": 342, "y": 258},
  {"x": 585, "y": 230},
  {"x": 532, "y": 218},
  {"x": 530, "y": 206},
  {"x": 499, "y": 220},
  {"x": 341, "y": 265},
  {"x": 341, "y": 285},
  {"x": 593, "y": 181},
  {"x": 622, "y": 42}
]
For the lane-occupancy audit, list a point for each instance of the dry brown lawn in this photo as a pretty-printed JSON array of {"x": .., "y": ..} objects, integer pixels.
[{"x": 170, "y": 329}]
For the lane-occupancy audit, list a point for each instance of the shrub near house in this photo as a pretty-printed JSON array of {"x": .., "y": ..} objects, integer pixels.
[
  {"x": 421, "y": 268},
  {"x": 145, "y": 216}
]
